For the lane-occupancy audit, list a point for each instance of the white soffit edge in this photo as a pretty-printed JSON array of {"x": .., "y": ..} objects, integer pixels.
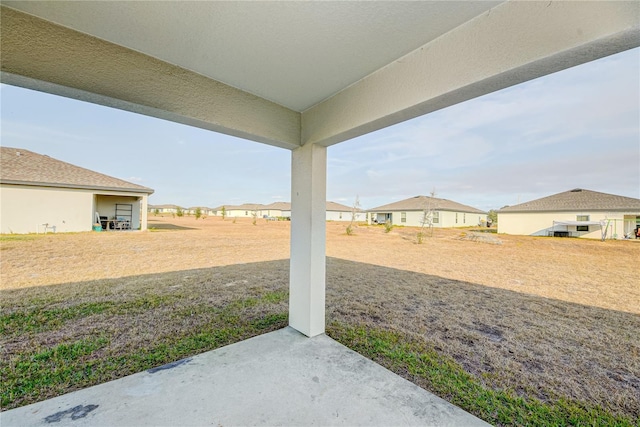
[{"x": 295, "y": 54}]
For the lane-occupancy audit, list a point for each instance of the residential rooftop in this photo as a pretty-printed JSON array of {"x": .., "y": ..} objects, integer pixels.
[
  {"x": 420, "y": 203},
  {"x": 578, "y": 199},
  {"x": 333, "y": 206},
  {"x": 24, "y": 167}
]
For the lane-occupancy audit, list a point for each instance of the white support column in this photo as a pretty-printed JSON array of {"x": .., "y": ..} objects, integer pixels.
[
  {"x": 308, "y": 240},
  {"x": 143, "y": 212}
]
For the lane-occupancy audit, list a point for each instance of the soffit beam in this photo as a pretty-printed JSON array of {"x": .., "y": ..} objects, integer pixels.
[
  {"x": 37, "y": 54},
  {"x": 510, "y": 44}
]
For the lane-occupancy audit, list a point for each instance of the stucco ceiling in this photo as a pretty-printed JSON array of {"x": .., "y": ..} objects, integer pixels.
[
  {"x": 295, "y": 54},
  {"x": 295, "y": 73}
]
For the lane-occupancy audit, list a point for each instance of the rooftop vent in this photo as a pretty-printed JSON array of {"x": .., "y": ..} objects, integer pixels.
[{"x": 577, "y": 190}]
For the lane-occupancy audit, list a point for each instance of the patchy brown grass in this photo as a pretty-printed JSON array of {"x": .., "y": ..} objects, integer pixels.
[{"x": 547, "y": 318}]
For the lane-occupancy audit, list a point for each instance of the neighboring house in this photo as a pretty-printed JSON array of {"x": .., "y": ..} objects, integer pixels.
[
  {"x": 575, "y": 213},
  {"x": 338, "y": 212},
  {"x": 166, "y": 208},
  {"x": 40, "y": 194},
  {"x": 334, "y": 212},
  {"x": 216, "y": 211},
  {"x": 246, "y": 210},
  {"x": 277, "y": 209},
  {"x": 411, "y": 212},
  {"x": 204, "y": 211}
]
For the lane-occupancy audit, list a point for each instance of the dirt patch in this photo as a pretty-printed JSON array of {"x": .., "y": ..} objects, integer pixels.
[
  {"x": 537, "y": 346},
  {"x": 545, "y": 317},
  {"x": 602, "y": 274}
]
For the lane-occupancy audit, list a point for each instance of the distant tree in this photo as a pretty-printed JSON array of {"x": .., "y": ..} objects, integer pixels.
[
  {"x": 198, "y": 213},
  {"x": 254, "y": 216},
  {"x": 179, "y": 211},
  {"x": 354, "y": 213},
  {"x": 156, "y": 212},
  {"x": 493, "y": 216},
  {"x": 427, "y": 217},
  {"x": 223, "y": 212}
]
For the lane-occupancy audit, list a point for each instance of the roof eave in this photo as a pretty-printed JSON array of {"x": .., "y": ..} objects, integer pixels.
[
  {"x": 629, "y": 209},
  {"x": 143, "y": 190}
]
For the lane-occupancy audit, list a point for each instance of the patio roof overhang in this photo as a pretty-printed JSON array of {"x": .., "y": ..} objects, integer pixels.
[
  {"x": 288, "y": 74},
  {"x": 300, "y": 75}
]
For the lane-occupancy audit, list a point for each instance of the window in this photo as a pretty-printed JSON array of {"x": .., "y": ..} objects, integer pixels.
[
  {"x": 582, "y": 218},
  {"x": 246, "y": 213},
  {"x": 464, "y": 218},
  {"x": 436, "y": 217},
  {"x": 403, "y": 217},
  {"x": 340, "y": 215},
  {"x": 456, "y": 217}
]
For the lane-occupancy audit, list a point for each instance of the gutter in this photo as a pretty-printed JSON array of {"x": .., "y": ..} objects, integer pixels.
[{"x": 143, "y": 190}]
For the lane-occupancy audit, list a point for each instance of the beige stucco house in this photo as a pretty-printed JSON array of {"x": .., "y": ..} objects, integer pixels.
[
  {"x": 338, "y": 212},
  {"x": 277, "y": 209},
  {"x": 164, "y": 208},
  {"x": 411, "y": 212},
  {"x": 245, "y": 210},
  {"x": 574, "y": 213},
  {"x": 41, "y": 194}
]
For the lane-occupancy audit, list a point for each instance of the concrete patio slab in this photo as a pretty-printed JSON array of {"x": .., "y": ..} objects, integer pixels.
[{"x": 280, "y": 378}]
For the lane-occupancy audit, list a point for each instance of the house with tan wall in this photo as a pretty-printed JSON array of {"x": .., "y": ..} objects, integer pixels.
[
  {"x": 441, "y": 213},
  {"x": 245, "y": 210},
  {"x": 277, "y": 210},
  {"x": 339, "y": 212},
  {"x": 334, "y": 211},
  {"x": 42, "y": 194},
  {"x": 574, "y": 213},
  {"x": 164, "y": 208}
]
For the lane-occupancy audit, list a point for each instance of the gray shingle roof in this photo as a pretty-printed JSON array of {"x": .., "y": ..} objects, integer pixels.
[
  {"x": 577, "y": 200},
  {"x": 244, "y": 207},
  {"x": 282, "y": 206},
  {"x": 420, "y": 203},
  {"x": 18, "y": 166},
  {"x": 337, "y": 207}
]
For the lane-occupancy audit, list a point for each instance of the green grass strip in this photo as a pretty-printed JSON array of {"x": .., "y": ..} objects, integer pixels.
[
  {"x": 49, "y": 372},
  {"x": 447, "y": 379},
  {"x": 41, "y": 319},
  {"x": 56, "y": 367},
  {"x": 36, "y": 320}
]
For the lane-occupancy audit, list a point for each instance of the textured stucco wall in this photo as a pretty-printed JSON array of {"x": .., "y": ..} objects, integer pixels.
[
  {"x": 345, "y": 216},
  {"x": 446, "y": 219},
  {"x": 24, "y": 209},
  {"x": 540, "y": 224}
]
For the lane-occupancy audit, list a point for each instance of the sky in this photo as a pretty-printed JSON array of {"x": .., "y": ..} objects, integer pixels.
[{"x": 578, "y": 128}]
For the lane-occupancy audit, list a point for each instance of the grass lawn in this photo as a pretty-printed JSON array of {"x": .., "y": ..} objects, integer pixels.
[{"x": 509, "y": 356}]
